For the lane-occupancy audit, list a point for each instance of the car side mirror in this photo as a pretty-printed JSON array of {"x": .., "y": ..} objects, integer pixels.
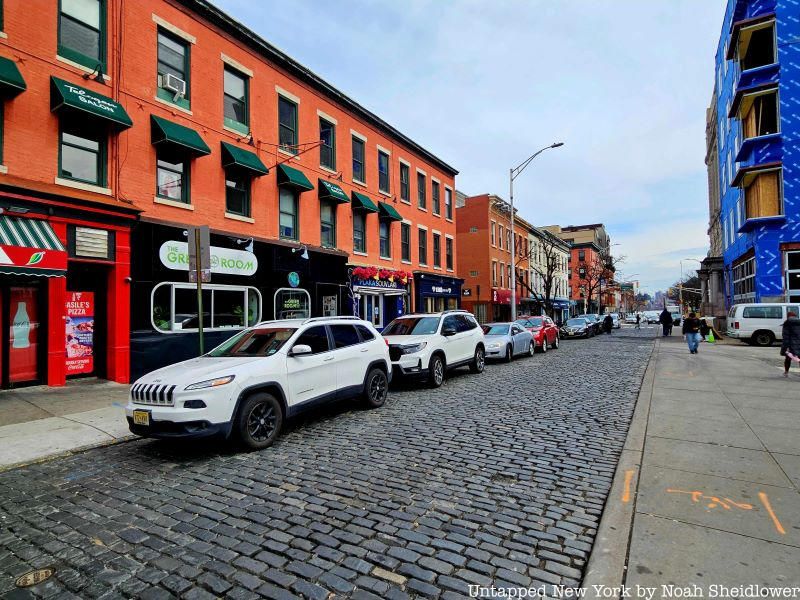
[
  {"x": 448, "y": 331},
  {"x": 299, "y": 350}
]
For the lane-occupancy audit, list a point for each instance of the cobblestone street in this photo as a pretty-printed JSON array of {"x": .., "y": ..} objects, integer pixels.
[{"x": 495, "y": 479}]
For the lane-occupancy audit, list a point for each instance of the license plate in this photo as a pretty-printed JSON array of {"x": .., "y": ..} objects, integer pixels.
[{"x": 141, "y": 417}]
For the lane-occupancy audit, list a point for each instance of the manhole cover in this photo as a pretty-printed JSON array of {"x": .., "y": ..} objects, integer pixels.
[{"x": 34, "y": 577}]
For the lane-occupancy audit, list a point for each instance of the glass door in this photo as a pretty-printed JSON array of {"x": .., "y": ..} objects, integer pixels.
[
  {"x": 23, "y": 335},
  {"x": 371, "y": 309}
]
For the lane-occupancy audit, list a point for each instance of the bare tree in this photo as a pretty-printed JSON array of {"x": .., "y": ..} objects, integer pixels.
[
  {"x": 595, "y": 272},
  {"x": 546, "y": 265}
]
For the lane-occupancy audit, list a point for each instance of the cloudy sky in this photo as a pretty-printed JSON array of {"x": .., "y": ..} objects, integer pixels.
[{"x": 485, "y": 83}]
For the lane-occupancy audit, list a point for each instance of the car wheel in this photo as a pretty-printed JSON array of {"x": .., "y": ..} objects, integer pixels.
[
  {"x": 479, "y": 361},
  {"x": 531, "y": 349},
  {"x": 509, "y": 354},
  {"x": 763, "y": 338},
  {"x": 555, "y": 343},
  {"x": 259, "y": 421},
  {"x": 436, "y": 371},
  {"x": 376, "y": 388},
  {"x": 544, "y": 345}
]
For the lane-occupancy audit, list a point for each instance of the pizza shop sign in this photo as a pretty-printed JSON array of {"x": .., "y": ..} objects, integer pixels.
[{"x": 225, "y": 261}]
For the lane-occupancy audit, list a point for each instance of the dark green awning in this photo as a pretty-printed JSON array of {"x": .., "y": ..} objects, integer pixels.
[
  {"x": 360, "y": 201},
  {"x": 331, "y": 191},
  {"x": 11, "y": 81},
  {"x": 387, "y": 211},
  {"x": 171, "y": 134},
  {"x": 233, "y": 156},
  {"x": 66, "y": 95},
  {"x": 293, "y": 178}
]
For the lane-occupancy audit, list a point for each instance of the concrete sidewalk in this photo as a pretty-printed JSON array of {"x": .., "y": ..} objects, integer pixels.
[
  {"x": 38, "y": 422},
  {"x": 706, "y": 492}
]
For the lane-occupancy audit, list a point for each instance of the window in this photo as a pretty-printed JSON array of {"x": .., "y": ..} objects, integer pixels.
[
  {"x": 761, "y": 117},
  {"x": 494, "y": 241},
  {"x": 510, "y": 282},
  {"x": 500, "y": 235},
  {"x": 757, "y": 46},
  {"x": 448, "y": 203},
  {"x": 327, "y": 150},
  {"x": 383, "y": 171},
  {"x": 235, "y": 100},
  {"x": 421, "y": 198},
  {"x": 385, "y": 234},
  {"x": 405, "y": 241},
  {"x": 762, "y": 196},
  {"x": 359, "y": 231},
  {"x": 793, "y": 277},
  {"x": 327, "y": 217},
  {"x": 344, "y": 336},
  {"x": 366, "y": 334},
  {"x": 744, "y": 278},
  {"x": 292, "y": 303},
  {"x": 287, "y": 125},
  {"x": 264, "y": 341},
  {"x": 359, "y": 172},
  {"x": 437, "y": 250},
  {"x": 473, "y": 273},
  {"x": 174, "y": 307},
  {"x": 81, "y": 32},
  {"x": 172, "y": 177},
  {"x": 494, "y": 274},
  {"x": 287, "y": 224},
  {"x": 762, "y": 312},
  {"x": 448, "y": 253},
  {"x": 404, "y": 176},
  {"x": 437, "y": 208},
  {"x": 508, "y": 239},
  {"x": 173, "y": 59},
  {"x": 423, "y": 247},
  {"x": 581, "y": 255},
  {"x": 237, "y": 193},
  {"x": 316, "y": 337},
  {"x": 82, "y": 154},
  {"x": 502, "y": 275}
]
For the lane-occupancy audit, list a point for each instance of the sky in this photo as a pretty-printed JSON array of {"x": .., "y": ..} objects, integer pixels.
[{"x": 483, "y": 84}]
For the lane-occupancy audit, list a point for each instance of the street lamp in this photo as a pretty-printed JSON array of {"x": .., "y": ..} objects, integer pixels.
[{"x": 512, "y": 175}]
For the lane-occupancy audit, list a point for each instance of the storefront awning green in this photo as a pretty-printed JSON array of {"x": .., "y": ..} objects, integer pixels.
[
  {"x": 331, "y": 191},
  {"x": 293, "y": 178},
  {"x": 387, "y": 211},
  {"x": 68, "y": 96},
  {"x": 235, "y": 157},
  {"x": 362, "y": 202},
  {"x": 171, "y": 134},
  {"x": 11, "y": 81}
]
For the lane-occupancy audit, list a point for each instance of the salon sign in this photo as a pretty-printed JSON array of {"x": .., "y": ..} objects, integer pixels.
[{"x": 224, "y": 261}]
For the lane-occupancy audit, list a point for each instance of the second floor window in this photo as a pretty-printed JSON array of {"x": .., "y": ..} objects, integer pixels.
[
  {"x": 287, "y": 124},
  {"x": 494, "y": 242},
  {"x": 494, "y": 274},
  {"x": 359, "y": 231},
  {"x": 405, "y": 241},
  {"x": 448, "y": 203},
  {"x": 358, "y": 160},
  {"x": 385, "y": 234},
  {"x": 435, "y": 200},
  {"x": 762, "y": 196},
  {"x": 422, "y": 200},
  {"x": 762, "y": 116},
  {"x": 448, "y": 253},
  {"x": 437, "y": 250},
  {"x": 405, "y": 195},
  {"x": 81, "y": 32},
  {"x": 327, "y": 149},
  {"x": 235, "y": 98},
  {"x": 172, "y": 177},
  {"x": 237, "y": 194},
  {"x": 82, "y": 155},
  {"x": 423, "y": 247},
  {"x": 287, "y": 223},
  {"x": 173, "y": 68},
  {"x": 383, "y": 171},
  {"x": 327, "y": 217}
]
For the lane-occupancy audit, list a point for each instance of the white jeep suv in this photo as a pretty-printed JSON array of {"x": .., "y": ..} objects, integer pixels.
[
  {"x": 248, "y": 385},
  {"x": 428, "y": 345}
]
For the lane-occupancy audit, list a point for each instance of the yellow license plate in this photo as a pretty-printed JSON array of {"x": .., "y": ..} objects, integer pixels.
[{"x": 141, "y": 417}]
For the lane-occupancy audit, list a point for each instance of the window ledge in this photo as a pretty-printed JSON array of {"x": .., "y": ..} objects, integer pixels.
[
  {"x": 435, "y": 214},
  {"x": 386, "y": 258},
  {"x": 448, "y": 219},
  {"x": 3, "y": 35},
  {"x": 387, "y": 194},
  {"x": 328, "y": 170},
  {"x": 3, "y": 169},
  {"x": 359, "y": 253},
  {"x": 235, "y": 217},
  {"x": 86, "y": 187},
  {"x": 422, "y": 264},
  {"x": 235, "y": 131},
  {"x": 450, "y": 270},
  {"x": 289, "y": 154},
  {"x": 422, "y": 209},
  {"x": 361, "y": 183},
  {"x": 173, "y": 203},
  {"x": 750, "y": 224},
  {"x": 77, "y": 65},
  {"x": 173, "y": 105},
  {"x": 405, "y": 262},
  {"x": 435, "y": 268},
  {"x": 405, "y": 201}
]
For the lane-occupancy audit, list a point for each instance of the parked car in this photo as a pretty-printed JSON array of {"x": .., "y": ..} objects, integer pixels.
[
  {"x": 577, "y": 327},
  {"x": 544, "y": 330},
  {"x": 758, "y": 324},
  {"x": 428, "y": 345},
  {"x": 630, "y": 319},
  {"x": 652, "y": 316},
  {"x": 507, "y": 340},
  {"x": 594, "y": 321},
  {"x": 247, "y": 386}
]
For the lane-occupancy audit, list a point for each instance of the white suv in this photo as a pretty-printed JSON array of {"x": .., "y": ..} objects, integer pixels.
[
  {"x": 428, "y": 345},
  {"x": 248, "y": 385}
]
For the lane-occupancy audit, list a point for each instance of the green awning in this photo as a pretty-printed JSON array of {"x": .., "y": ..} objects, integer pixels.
[
  {"x": 171, "y": 134},
  {"x": 68, "y": 96},
  {"x": 233, "y": 156},
  {"x": 387, "y": 211},
  {"x": 331, "y": 191},
  {"x": 11, "y": 81},
  {"x": 362, "y": 202},
  {"x": 293, "y": 178}
]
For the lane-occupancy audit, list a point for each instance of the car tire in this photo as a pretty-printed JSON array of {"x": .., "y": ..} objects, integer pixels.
[
  {"x": 531, "y": 348},
  {"x": 479, "y": 360},
  {"x": 436, "y": 371},
  {"x": 509, "y": 355},
  {"x": 259, "y": 421},
  {"x": 763, "y": 338},
  {"x": 555, "y": 343},
  {"x": 545, "y": 346},
  {"x": 376, "y": 388}
]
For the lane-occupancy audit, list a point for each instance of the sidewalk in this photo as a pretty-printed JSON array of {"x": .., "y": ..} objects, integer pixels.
[
  {"x": 706, "y": 492},
  {"x": 38, "y": 422}
]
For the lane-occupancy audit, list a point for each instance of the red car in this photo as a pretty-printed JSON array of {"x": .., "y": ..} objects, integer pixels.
[{"x": 544, "y": 330}]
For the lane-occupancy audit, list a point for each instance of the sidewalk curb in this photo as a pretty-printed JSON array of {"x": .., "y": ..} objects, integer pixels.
[
  {"x": 608, "y": 561},
  {"x": 70, "y": 452}
]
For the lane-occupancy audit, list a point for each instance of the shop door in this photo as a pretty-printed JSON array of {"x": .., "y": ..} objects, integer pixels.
[
  {"x": 371, "y": 309},
  {"x": 21, "y": 323}
]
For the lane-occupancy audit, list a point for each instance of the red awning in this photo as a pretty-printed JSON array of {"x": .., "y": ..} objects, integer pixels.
[
  {"x": 30, "y": 247},
  {"x": 501, "y": 296}
]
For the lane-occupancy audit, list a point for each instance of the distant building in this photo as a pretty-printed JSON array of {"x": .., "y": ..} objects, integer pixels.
[{"x": 712, "y": 267}]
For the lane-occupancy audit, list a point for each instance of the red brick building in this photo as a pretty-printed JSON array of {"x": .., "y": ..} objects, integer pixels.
[{"x": 125, "y": 123}]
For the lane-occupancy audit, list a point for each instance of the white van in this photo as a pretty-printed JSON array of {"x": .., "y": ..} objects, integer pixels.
[{"x": 758, "y": 324}]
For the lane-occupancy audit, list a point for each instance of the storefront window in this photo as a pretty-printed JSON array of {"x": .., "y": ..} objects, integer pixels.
[
  {"x": 23, "y": 334},
  {"x": 83, "y": 154},
  {"x": 292, "y": 303},
  {"x": 174, "y": 307},
  {"x": 288, "y": 214},
  {"x": 172, "y": 177},
  {"x": 237, "y": 194},
  {"x": 359, "y": 231},
  {"x": 327, "y": 214}
]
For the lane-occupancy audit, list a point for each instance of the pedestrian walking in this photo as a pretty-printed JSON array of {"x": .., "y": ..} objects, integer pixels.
[
  {"x": 608, "y": 324},
  {"x": 638, "y": 321},
  {"x": 790, "y": 346},
  {"x": 691, "y": 331},
  {"x": 665, "y": 318}
]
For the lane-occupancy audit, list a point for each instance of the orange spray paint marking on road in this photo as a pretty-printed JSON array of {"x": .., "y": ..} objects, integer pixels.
[
  {"x": 765, "y": 501},
  {"x": 626, "y": 494}
]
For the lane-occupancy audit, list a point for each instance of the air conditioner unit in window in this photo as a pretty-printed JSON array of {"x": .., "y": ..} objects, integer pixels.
[{"x": 174, "y": 84}]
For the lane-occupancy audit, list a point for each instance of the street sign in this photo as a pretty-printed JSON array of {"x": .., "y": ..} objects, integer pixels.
[{"x": 199, "y": 252}]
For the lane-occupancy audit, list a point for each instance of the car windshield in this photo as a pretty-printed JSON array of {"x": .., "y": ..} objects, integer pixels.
[
  {"x": 588, "y": 317},
  {"x": 262, "y": 341},
  {"x": 495, "y": 329},
  {"x": 412, "y": 326},
  {"x": 532, "y": 322},
  {"x": 577, "y": 322}
]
